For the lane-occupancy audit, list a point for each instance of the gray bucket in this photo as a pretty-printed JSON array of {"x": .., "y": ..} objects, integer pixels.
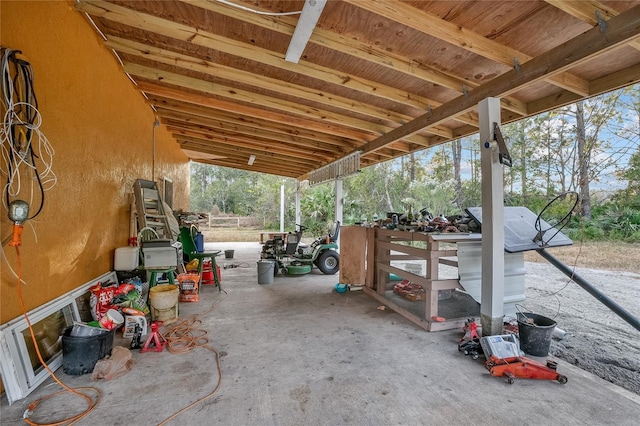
[
  {"x": 535, "y": 338},
  {"x": 265, "y": 271}
]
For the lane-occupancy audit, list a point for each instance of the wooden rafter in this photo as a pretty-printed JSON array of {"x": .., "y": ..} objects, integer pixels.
[
  {"x": 217, "y": 79},
  {"x": 464, "y": 38},
  {"x": 578, "y": 50}
]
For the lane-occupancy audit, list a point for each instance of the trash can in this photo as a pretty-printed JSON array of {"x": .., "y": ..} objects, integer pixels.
[
  {"x": 81, "y": 353},
  {"x": 265, "y": 271},
  {"x": 535, "y": 333},
  {"x": 228, "y": 254}
]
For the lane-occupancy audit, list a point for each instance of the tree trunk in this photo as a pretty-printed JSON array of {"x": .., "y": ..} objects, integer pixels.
[
  {"x": 584, "y": 161},
  {"x": 412, "y": 167}
]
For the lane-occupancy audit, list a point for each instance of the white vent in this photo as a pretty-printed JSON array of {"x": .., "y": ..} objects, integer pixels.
[{"x": 341, "y": 168}]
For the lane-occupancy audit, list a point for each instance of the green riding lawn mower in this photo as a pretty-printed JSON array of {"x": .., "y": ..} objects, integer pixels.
[{"x": 292, "y": 257}]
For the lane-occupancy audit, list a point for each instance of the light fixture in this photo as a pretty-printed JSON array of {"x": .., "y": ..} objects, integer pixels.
[
  {"x": 308, "y": 19},
  {"x": 252, "y": 158}
]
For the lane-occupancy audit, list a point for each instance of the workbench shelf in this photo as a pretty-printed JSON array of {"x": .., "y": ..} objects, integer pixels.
[{"x": 387, "y": 248}]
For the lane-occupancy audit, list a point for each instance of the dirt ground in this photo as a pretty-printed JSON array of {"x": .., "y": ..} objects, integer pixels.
[{"x": 597, "y": 340}]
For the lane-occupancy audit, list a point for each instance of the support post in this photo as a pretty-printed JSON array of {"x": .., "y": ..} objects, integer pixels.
[
  {"x": 298, "y": 214},
  {"x": 282, "y": 208},
  {"x": 339, "y": 203},
  {"x": 492, "y": 297}
]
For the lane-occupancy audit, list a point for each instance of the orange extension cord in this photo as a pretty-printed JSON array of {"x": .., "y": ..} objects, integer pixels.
[
  {"x": 91, "y": 402},
  {"x": 181, "y": 338},
  {"x": 184, "y": 337}
]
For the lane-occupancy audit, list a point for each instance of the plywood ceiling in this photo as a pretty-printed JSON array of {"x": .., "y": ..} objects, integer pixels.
[{"x": 382, "y": 77}]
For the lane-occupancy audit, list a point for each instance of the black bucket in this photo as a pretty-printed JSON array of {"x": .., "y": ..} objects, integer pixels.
[
  {"x": 81, "y": 353},
  {"x": 228, "y": 254},
  {"x": 535, "y": 333}
]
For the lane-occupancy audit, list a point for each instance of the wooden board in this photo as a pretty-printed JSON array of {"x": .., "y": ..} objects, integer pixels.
[{"x": 353, "y": 251}]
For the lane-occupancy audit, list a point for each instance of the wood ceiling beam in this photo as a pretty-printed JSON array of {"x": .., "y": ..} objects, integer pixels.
[
  {"x": 196, "y": 36},
  {"x": 259, "y": 140},
  {"x": 327, "y": 152},
  {"x": 357, "y": 49},
  {"x": 240, "y": 141},
  {"x": 281, "y": 105},
  {"x": 464, "y": 38},
  {"x": 242, "y": 165},
  {"x": 584, "y": 10},
  {"x": 240, "y": 95},
  {"x": 316, "y": 139},
  {"x": 607, "y": 83},
  {"x": 152, "y": 89},
  {"x": 229, "y": 147},
  {"x": 580, "y": 49},
  {"x": 331, "y": 40},
  {"x": 588, "y": 11},
  {"x": 277, "y": 86}
]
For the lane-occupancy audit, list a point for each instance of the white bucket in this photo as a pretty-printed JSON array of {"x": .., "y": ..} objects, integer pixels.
[
  {"x": 164, "y": 302},
  {"x": 111, "y": 320}
]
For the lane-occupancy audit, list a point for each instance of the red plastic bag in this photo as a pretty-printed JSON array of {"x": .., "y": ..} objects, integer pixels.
[{"x": 100, "y": 299}]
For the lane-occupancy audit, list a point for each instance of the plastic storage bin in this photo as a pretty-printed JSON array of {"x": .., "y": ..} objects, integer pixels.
[{"x": 126, "y": 258}]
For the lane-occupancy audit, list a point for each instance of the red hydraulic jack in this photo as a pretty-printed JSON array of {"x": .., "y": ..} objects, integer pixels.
[
  {"x": 156, "y": 338},
  {"x": 523, "y": 368}
]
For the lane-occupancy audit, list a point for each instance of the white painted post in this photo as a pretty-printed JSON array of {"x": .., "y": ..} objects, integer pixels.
[
  {"x": 339, "y": 200},
  {"x": 492, "y": 297},
  {"x": 339, "y": 205},
  {"x": 298, "y": 213},
  {"x": 282, "y": 208}
]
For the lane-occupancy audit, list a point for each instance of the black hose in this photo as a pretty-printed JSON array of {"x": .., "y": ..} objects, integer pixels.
[{"x": 606, "y": 300}]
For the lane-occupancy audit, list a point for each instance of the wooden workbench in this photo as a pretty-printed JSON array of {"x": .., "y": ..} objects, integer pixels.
[{"x": 366, "y": 256}]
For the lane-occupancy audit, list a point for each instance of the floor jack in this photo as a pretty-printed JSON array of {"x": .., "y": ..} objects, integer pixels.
[
  {"x": 523, "y": 368},
  {"x": 156, "y": 338}
]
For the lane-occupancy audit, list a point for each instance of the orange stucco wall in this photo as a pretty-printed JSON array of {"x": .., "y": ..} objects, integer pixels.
[{"x": 102, "y": 133}]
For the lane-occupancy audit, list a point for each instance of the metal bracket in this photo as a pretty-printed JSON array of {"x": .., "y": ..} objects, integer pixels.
[
  {"x": 503, "y": 155},
  {"x": 516, "y": 65},
  {"x": 465, "y": 91},
  {"x": 601, "y": 22}
]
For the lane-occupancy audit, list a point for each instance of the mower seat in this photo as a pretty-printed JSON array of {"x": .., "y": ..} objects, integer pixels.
[
  {"x": 332, "y": 234},
  {"x": 334, "y": 231}
]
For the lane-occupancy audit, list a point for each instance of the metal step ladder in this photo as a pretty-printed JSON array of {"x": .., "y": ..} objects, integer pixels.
[{"x": 150, "y": 209}]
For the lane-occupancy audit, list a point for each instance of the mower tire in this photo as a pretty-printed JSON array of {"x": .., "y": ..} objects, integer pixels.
[{"x": 328, "y": 262}]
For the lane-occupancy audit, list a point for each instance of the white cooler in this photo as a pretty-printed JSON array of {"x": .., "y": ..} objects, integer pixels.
[{"x": 126, "y": 258}]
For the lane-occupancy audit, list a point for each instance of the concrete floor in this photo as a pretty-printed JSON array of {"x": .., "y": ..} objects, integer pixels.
[{"x": 295, "y": 352}]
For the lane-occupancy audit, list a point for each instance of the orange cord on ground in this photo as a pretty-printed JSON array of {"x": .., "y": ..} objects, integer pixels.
[
  {"x": 91, "y": 402},
  {"x": 181, "y": 338},
  {"x": 185, "y": 336}
]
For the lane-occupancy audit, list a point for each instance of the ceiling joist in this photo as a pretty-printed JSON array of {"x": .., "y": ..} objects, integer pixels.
[{"x": 384, "y": 77}]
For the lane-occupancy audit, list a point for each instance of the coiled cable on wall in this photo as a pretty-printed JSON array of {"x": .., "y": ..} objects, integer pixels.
[{"x": 24, "y": 148}]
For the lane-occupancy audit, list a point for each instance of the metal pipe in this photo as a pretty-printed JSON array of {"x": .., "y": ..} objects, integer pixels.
[{"x": 606, "y": 300}]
